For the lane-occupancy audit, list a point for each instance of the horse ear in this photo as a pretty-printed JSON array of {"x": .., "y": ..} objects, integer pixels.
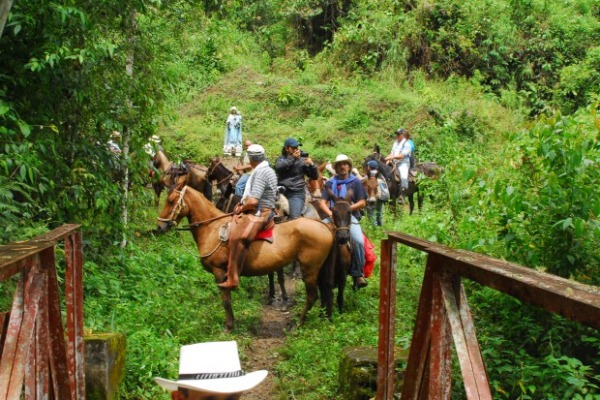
[
  {"x": 349, "y": 195},
  {"x": 376, "y": 148}
]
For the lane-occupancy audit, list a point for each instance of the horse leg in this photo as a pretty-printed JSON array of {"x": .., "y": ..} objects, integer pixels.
[
  {"x": 311, "y": 297},
  {"x": 420, "y": 197},
  {"x": 340, "y": 294},
  {"x": 226, "y": 300},
  {"x": 271, "y": 288},
  {"x": 281, "y": 281},
  {"x": 411, "y": 202}
]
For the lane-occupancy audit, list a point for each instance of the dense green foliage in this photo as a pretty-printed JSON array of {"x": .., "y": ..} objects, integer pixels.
[{"x": 502, "y": 93}]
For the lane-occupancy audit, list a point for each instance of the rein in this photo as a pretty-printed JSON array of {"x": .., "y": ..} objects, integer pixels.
[
  {"x": 212, "y": 170},
  {"x": 196, "y": 224},
  {"x": 180, "y": 206}
]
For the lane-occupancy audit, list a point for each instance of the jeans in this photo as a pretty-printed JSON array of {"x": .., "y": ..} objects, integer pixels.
[
  {"x": 375, "y": 213},
  {"x": 241, "y": 185},
  {"x": 296, "y": 201},
  {"x": 357, "y": 265}
]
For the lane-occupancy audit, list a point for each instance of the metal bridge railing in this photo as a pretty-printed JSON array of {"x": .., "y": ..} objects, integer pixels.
[
  {"x": 36, "y": 361},
  {"x": 443, "y": 315}
]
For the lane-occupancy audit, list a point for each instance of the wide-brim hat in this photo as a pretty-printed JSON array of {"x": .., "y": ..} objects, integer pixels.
[
  {"x": 212, "y": 367},
  {"x": 155, "y": 138},
  {"x": 341, "y": 158},
  {"x": 116, "y": 134}
]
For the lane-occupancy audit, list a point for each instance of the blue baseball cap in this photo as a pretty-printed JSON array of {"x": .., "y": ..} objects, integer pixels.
[
  {"x": 372, "y": 164},
  {"x": 291, "y": 142}
]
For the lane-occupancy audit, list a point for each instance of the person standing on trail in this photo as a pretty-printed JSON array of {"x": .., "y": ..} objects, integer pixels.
[
  {"x": 233, "y": 133},
  {"x": 340, "y": 184},
  {"x": 211, "y": 371},
  {"x": 254, "y": 212},
  {"x": 291, "y": 167},
  {"x": 244, "y": 169},
  {"x": 400, "y": 158}
]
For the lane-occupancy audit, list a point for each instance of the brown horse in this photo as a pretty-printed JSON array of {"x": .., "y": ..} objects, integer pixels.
[
  {"x": 302, "y": 239},
  {"x": 170, "y": 174},
  {"x": 336, "y": 268},
  {"x": 224, "y": 179}
]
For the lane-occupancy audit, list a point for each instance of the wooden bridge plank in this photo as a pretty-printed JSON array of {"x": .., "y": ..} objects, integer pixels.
[
  {"x": 74, "y": 305},
  {"x": 570, "y": 299},
  {"x": 12, "y": 334},
  {"x": 441, "y": 339},
  {"x": 467, "y": 349},
  {"x": 12, "y": 256},
  {"x": 418, "y": 356},
  {"x": 33, "y": 293},
  {"x": 387, "y": 318}
]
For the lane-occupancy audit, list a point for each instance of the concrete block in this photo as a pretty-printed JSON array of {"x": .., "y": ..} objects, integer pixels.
[
  {"x": 357, "y": 376},
  {"x": 104, "y": 365}
]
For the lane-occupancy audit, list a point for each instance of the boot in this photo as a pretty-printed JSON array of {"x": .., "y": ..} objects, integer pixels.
[{"x": 237, "y": 255}]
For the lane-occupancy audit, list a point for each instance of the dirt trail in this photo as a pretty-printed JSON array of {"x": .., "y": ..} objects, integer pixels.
[{"x": 263, "y": 353}]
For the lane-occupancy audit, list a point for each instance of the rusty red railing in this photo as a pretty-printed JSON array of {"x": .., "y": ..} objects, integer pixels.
[
  {"x": 36, "y": 361},
  {"x": 443, "y": 315}
]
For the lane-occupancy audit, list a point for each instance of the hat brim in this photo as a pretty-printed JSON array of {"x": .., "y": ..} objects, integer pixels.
[
  {"x": 226, "y": 385},
  {"x": 335, "y": 163}
]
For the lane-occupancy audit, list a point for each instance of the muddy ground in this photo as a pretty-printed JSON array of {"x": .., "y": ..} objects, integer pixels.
[{"x": 276, "y": 321}]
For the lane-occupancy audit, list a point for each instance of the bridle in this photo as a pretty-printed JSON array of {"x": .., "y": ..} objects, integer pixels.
[
  {"x": 212, "y": 170},
  {"x": 179, "y": 206}
]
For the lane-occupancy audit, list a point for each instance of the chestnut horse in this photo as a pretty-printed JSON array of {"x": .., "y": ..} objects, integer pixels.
[
  {"x": 305, "y": 240},
  {"x": 169, "y": 174},
  {"x": 337, "y": 266}
]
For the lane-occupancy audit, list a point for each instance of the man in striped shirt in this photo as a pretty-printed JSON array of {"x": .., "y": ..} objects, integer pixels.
[{"x": 252, "y": 214}]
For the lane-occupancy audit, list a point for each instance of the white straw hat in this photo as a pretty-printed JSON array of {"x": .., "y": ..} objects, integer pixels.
[
  {"x": 155, "y": 138},
  {"x": 341, "y": 158},
  {"x": 212, "y": 367}
]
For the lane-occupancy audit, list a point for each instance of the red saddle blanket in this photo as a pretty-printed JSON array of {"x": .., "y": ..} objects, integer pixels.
[{"x": 265, "y": 234}]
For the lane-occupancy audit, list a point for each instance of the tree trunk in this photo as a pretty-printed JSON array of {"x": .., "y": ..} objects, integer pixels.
[{"x": 5, "y": 6}]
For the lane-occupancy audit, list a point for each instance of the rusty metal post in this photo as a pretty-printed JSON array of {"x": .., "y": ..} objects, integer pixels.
[{"x": 387, "y": 317}]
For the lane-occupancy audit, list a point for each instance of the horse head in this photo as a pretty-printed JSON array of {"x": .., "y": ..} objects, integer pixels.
[
  {"x": 341, "y": 215},
  {"x": 372, "y": 188},
  {"x": 175, "y": 207}
]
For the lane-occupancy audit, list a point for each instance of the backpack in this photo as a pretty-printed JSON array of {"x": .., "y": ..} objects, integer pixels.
[{"x": 384, "y": 190}]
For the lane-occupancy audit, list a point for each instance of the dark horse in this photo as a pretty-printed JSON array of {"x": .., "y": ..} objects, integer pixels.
[
  {"x": 337, "y": 266},
  {"x": 169, "y": 174},
  {"x": 427, "y": 169},
  {"x": 302, "y": 239}
]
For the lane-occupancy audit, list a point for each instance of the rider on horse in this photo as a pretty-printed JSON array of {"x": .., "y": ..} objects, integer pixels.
[
  {"x": 340, "y": 184},
  {"x": 400, "y": 156},
  {"x": 252, "y": 214}
]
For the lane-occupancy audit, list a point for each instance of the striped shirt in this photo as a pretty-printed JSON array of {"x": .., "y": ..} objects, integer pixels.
[{"x": 263, "y": 186}]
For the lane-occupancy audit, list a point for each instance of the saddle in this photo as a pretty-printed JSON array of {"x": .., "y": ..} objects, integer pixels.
[{"x": 266, "y": 233}]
